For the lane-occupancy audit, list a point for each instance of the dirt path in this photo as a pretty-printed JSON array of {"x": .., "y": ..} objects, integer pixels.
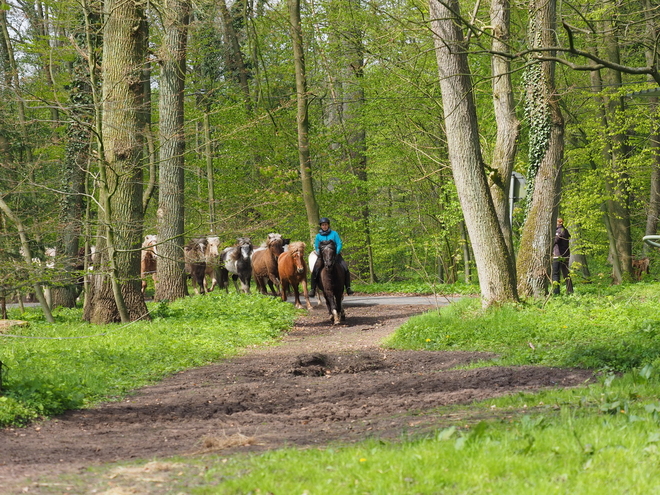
[{"x": 322, "y": 384}]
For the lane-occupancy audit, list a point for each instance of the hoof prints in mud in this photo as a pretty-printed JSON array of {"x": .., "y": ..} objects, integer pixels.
[{"x": 323, "y": 364}]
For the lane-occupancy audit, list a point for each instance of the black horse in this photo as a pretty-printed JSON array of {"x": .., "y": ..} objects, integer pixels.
[
  {"x": 331, "y": 281},
  {"x": 237, "y": 260}
]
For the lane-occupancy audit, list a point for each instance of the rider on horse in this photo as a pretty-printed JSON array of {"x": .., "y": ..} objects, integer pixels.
[{"x": 327, "y": 234}]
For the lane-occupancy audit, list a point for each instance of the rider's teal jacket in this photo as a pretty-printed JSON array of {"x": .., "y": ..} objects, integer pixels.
[{"x": 329, "y": 235}]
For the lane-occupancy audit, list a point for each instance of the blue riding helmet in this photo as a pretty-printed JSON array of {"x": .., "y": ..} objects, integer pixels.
[{"x": 324, "y": 220}]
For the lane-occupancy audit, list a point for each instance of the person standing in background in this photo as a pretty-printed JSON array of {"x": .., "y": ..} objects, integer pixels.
[{"x": 561, "y": 254}]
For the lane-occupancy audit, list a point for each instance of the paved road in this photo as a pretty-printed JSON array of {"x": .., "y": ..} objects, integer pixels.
[
  {"x": 394, "y": 300},
  {"x": 366, "y": 300}
]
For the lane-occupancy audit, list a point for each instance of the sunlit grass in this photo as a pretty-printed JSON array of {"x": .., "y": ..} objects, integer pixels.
[
  {"x": 54, "y": 367},
  {"x": 611, "y": 330}
]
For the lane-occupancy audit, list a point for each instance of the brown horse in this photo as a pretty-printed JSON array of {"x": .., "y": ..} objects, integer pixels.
[
  {"x": 264, "y": 264},
  {"x": 292, "y": 270},
  {"x": 194, "y": 255},
  {"x": 332, "y": 281},
  {"x": 148, "y": 260}
]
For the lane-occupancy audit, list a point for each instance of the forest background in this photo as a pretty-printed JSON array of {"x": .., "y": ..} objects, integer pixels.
[{"x": 402, "y": 121}]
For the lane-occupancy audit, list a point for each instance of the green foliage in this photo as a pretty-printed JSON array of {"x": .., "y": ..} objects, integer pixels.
[
  {"x": 72, "y": 364},
  {"x": 613, "y": 328}
]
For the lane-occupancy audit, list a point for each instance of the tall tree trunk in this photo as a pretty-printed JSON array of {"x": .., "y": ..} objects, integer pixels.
[
  {"x": 545, "y": 157},
  {"x": 152, "y": 159},
  {"x": 309, "y": 198},
  {"x": 210, "y": 176},
  {"x": 508, "y": 126},
  {"x": 615, "y": 155},
  {"x": 653, "y": 214},
  {"x": 236, "y": 59},
  {"x": 494, "y": 264},
  {"x": 171, "y": 277},
  {"x": 119, "y": 297}
]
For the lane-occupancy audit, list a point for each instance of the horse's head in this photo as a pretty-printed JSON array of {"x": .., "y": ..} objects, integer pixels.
[
  {"x": 275, "y": 244},
  {"x": 297, "y": 253},
  {"x": 328, "y": 252},
  {"x": 245, "y": 244}
]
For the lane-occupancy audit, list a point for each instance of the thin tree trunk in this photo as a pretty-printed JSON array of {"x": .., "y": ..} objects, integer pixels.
[
  {"x": 309, "y": 198},
  {"x": 653, "y": 214},
  {"x": 210, "y": 177},
  {"x": 171, "y": 283},
  {"x": 27, "y": 257},
  {"x": 508, "y": 126},
  {"x": 494, "y": 265}
]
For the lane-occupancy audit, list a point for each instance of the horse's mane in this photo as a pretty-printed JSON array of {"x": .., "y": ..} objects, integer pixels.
[{"x": 297, "y": 246}]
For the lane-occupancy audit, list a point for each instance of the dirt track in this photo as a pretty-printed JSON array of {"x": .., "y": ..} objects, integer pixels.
[{"x": 322, "y": 384}]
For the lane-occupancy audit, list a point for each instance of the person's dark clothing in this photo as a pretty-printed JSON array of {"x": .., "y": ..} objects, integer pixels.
[{"x": 561, "y": 254}]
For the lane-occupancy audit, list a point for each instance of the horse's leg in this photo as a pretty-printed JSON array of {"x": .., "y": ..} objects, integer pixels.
[
  {"x": 283, "y": 289},
  {"x": 296, "y": 293},
  {"x": 245, "y": 283},
  {"x": 306, "y": 292},
  {"x": 234, "y": 278}
]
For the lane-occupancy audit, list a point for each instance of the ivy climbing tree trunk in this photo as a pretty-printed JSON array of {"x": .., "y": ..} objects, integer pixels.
[
  {"x": 546, "y": 148},
  {"x": 171, "y": 283},
  {"x": 494, "y": 264}
]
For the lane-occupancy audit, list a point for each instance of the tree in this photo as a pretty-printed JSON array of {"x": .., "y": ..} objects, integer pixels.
[
  {"x": 304, "y": 157},
  {"x": 171, "y": 276},
  {"x": 546, "y": 146},
  {"x": 494, "y": 264},
  {"x": 118, "y": 296}
]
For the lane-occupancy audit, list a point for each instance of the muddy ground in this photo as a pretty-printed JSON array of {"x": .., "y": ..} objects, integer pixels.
[{"x": 322, "y": 384}]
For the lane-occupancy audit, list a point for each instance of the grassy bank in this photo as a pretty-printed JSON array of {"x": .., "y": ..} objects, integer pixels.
[{"x": 49, "y": 368}]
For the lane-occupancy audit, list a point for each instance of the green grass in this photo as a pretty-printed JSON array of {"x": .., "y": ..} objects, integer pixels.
[
  {"x": 600, "y": 438},
  {"x": 71, "y": 364},
  {"x": 611, "y": 329}
]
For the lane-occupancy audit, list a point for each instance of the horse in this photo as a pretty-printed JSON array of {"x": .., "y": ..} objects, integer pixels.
[
  {"x": 311, "y": 261},
  {"x": 237, "y": 260},
  {"x": 264, "y": 264},
  {"x": 148, "y": 260},
  {"x": 640, "y": 266},
  {"x": 194, "y": 254},
  {"x": 213, "y": 263},
  {"x": 331, "y": 281},
  {"x": 292, "y": 270}
]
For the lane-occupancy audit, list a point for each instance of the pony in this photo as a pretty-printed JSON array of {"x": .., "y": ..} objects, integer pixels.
[
  {"x": 194, "y": 255},
  {"x": 148, "y": 260},
  {"x": 311, "y": 261},
  {"x": 331, "y": 281},
  {"x": 237, "y": 260},
  {"x": 640, "y": 266},
  {"x": 213, "y": 263},
  {"x": 264, "y": 264},
  {"x": 292, "y": 270}
]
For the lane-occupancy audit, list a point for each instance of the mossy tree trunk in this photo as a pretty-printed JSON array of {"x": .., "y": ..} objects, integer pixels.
[{"x": 545, "y": 156}]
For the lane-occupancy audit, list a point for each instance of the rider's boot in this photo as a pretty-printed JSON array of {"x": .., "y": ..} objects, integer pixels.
[{"x": 347, "y": 284}]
